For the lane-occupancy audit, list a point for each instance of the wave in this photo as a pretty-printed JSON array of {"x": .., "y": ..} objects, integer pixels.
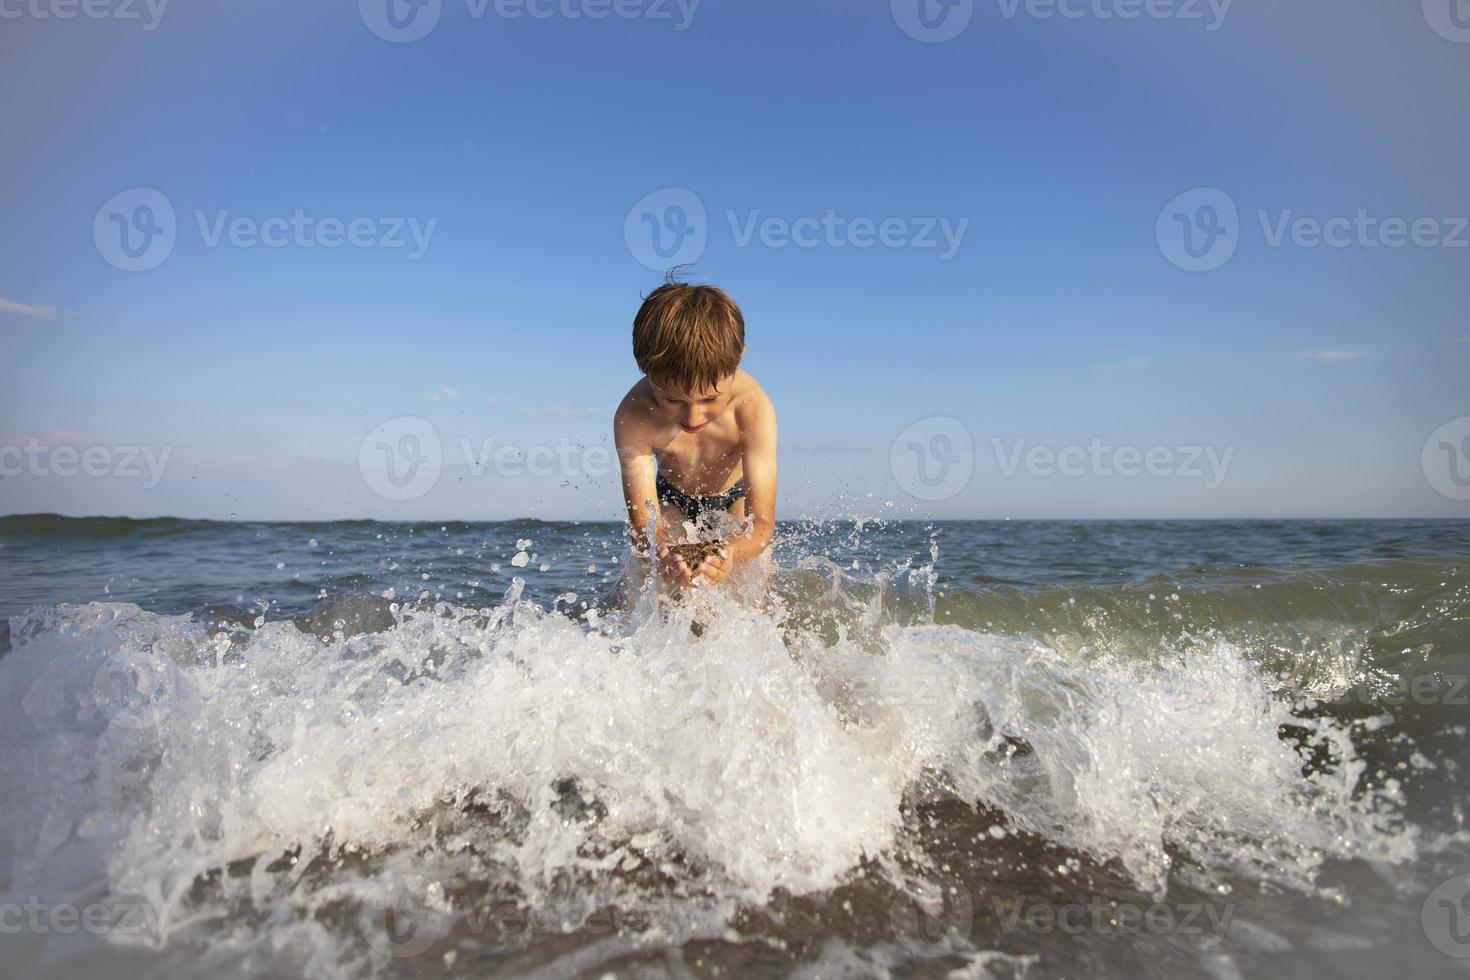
[
  {"x": 685, "y": 765},
  {"x": 59, "y": 524},
  {"x": 51, "y": 523}
]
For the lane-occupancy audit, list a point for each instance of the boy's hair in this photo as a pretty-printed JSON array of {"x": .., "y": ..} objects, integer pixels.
[{"x": 688, "y": 337}]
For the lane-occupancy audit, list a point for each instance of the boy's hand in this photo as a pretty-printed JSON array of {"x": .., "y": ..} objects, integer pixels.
[
  {"x": 671, "y": 568},
  {"x": 713, "y": 570},
  {"x": 716, "y": 568}
]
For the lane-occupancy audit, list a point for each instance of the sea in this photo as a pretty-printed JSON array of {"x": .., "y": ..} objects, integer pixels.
[{"x": 1119, "y": 749}]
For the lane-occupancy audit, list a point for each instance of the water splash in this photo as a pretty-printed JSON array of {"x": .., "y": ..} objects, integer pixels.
[{"x": 275, "y": 790}]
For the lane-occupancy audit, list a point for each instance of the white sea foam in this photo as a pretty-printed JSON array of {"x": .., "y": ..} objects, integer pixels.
[{"x": 674, "y": 771}]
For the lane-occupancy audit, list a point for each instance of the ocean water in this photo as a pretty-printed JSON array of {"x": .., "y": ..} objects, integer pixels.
[{"x": 979, "y": 749}]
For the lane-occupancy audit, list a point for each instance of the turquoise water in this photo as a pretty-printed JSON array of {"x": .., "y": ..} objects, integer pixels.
[{"x": 1179, "y": 749}]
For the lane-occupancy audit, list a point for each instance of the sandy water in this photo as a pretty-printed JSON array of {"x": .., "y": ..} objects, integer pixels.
[{"x": 1171, "y": 749}]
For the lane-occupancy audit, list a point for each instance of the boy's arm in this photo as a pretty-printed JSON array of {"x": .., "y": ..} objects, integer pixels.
[
  {"x": 759, "y": 468},
  {"x": 635, "y": 456}
]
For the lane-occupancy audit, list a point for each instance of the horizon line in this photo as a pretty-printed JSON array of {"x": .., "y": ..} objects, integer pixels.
[{"x": 603, "y": 520}]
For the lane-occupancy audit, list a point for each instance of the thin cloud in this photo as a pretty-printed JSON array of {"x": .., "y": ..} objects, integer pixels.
[
  {"x": 1333, "y": 356},
  {"x": 560, "y": 411},
  {"x": 822, "y": 447},
  {"x": 12, "y": 308},
  {"x": 455, "y": 395}
]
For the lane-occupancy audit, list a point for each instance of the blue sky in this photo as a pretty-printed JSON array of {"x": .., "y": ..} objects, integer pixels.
[{"x": 519, "y": 147}]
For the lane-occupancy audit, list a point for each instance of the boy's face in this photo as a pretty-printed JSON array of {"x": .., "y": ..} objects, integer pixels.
[{"x": 693, "y": 410}]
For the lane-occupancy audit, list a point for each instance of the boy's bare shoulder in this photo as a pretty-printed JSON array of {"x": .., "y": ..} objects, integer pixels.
[
  {"x": 755, "y": 406},
  {"x": 633, "y": 419}
]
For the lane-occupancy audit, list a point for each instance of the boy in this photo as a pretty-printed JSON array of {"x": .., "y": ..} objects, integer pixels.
[{"x": 697, "y": 434}]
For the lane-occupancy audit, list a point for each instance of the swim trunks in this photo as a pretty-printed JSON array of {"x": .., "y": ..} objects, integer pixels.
[{"x": 692, "y": 505}]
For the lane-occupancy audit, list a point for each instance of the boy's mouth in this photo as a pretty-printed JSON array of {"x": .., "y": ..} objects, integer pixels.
[{"x": 692, "y": 428}]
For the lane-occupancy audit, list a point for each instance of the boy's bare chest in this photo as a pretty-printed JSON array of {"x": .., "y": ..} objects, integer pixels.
[{"x": 701, "y": 464}]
